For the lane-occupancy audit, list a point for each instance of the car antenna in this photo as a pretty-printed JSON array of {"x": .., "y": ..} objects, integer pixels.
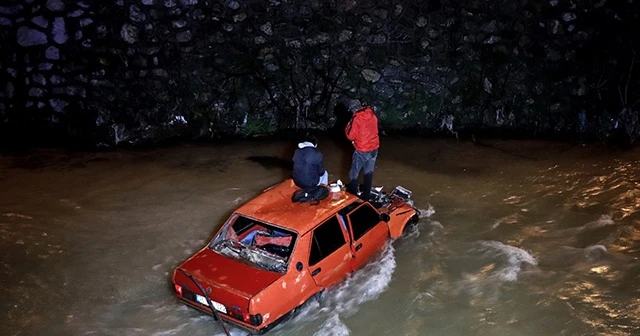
[{"x": 213, "y": 309}]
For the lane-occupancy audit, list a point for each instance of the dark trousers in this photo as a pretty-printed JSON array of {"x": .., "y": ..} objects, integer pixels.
[{"x": 365, "y": 162}]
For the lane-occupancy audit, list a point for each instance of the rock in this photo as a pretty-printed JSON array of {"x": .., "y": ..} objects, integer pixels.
[
  {"x": 85, "y": 22},
  {"x": 568, "y": 17},
  {"x": 169, "y": 3},
  {"x": 45, "y": 66},
  {"x": 381, "y": 13},
  {"x": 488, "y": 87},
  {"x": 87, "y": 43},
  {"x": 554, "y": 55},
  {"x": 233, "y": 5},
  {"x": 11, "y": 10},
  {"x": 490, "y": 27},
  {"x": 553, "y": 3},
  {"x": 12, "y": 72},
  {"x": 59, "y": 31},
  {"x": 492, "y": 40},
  {"x": 239, "y": 17},
  {"x": 28, "y": 37},
  {"x": 424, "y": 43},
  {"x": 160, "y": 73},
  {"x": 555, "y": 27},
  {"x": 129, "y": 33},
  {"x": 184, "y": 36},
  {"x": 318, "y": 39},
  {"x": 136, "y": 15},
  {"x": 36, "y": 92},
  {"x": 39, "y": 79},
  {"x": 176, "y": 24},
  {"x": 378, "y": 39},
  {"x": 5, "y": 22},
  {"x": 272, "y": 67},
  {"x": 58, "y": 105},
  {"x": 227, "y": 27},
  {"x": 147, "y": 2},
  {"x": 397, "y": 10},
  {"x": 456, "y": 100},
  {"x": 76, "y": 13},
  {"x": 40, "y": 21},
  {"x": 259, "y": 40},
  {"x": 370, "y": 75},
  {"x": 188, "y": 2},
  {"x": 56, "y": 80},
  {"x": 55, "y": 5},
  {"x": 345, "y": 36},
  {"x": 422, "y": 22},
  {"x": 267, "y": 29}
]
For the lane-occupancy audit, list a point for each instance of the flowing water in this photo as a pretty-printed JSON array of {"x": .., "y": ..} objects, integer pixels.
[{"x": 516, "y": 238}]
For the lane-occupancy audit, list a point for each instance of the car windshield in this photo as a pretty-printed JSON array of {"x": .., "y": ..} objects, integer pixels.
[{"x": 255, "y": 243}]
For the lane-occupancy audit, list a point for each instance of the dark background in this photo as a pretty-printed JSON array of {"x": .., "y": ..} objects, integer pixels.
[{"x": 103, "y": 73}]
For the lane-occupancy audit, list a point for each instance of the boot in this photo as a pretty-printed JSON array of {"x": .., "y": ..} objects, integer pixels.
[
  {"x": 352, "y": 187},
  {"x": 368, "y": 183}
]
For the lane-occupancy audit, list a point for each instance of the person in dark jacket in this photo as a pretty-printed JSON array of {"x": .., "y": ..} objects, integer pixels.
[
  {"x": 308, "y": 168},
  {"x": 362, "y": 130}
]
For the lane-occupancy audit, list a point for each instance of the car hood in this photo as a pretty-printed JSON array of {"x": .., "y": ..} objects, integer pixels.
[{"x": 228, "y": 274}]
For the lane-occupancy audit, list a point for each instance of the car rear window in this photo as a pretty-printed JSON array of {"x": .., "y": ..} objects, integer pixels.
[{"x": 255, "y": 242}]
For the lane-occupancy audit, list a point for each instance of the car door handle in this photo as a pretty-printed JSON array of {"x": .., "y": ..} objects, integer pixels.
[
  {"x": 359, "y": 247},
  {"x": 316, "y": 271}
]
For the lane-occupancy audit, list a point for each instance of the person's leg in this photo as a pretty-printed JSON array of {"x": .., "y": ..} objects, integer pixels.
[
  {"x": 368, "y": 167},
  {"x": 324, "y": 179},
  {"x": 356, "y": 166}
]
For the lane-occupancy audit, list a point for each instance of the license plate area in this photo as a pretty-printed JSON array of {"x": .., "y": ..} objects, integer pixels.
[{"x": 218, "y": 306}]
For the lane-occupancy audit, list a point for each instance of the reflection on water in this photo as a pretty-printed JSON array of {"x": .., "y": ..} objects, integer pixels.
[{"x": 516, "y": 238}]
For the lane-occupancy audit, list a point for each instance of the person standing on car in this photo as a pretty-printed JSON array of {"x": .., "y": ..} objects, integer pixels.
[
  {"x": 308, "y": 168},
  {"x": 362, "y": 131}
]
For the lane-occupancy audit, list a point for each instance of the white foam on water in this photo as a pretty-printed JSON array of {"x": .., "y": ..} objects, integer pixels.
[
  {"x": 364, "y": 285},
  {"x": 333, "y": 327},
  {"x": 424, "y": 213},
  {"x": 344, "y": 300},
  {"x": 514, "y": 258},
  {"x": 604, "y": 220}
]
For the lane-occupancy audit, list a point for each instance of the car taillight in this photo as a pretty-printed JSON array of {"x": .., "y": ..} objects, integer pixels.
[
  {"x": 178, "y": 289},
  {"x": 256, "y": 319}
]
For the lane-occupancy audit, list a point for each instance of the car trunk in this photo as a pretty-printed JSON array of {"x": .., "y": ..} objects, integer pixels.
[{"x": 229, "y": 283}]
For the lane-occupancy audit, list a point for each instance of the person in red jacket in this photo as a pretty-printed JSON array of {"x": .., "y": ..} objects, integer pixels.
[{"x": 362, "y": 130}]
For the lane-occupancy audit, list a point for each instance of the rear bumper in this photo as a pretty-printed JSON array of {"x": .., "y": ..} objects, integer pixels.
[{"x": 227, "y": 319}]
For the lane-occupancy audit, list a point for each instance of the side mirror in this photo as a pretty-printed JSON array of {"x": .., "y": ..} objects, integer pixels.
[
  {"x": 385, "y": 217},
  {"x": 299, "y": 266}
]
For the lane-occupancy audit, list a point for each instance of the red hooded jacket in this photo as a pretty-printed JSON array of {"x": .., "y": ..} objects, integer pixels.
[{"x": 362, "y": 130}]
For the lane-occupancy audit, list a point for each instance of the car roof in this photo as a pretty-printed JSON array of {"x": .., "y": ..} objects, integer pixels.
[{"x": 274, "y": 206}]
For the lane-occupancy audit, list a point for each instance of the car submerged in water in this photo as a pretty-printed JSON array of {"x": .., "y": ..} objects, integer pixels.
[{"x": 273, "y": 254}]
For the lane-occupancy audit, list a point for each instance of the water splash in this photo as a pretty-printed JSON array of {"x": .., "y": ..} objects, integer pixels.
[
  {"x": 344, "y": 300},
  {"x": 333, "y": 327},
  {"x": 512, "y": 259},
  {"x": 424, "y": 213},
  {"x": 604, "y": 220}
]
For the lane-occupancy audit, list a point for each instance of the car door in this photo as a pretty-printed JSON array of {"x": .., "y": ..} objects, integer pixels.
[
  {"x": 368, "y": 233},
  {"x": 330, "y": 255}
]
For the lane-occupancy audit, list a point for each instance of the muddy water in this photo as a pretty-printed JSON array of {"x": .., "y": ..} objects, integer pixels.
[{"x": 517, "y": 238}]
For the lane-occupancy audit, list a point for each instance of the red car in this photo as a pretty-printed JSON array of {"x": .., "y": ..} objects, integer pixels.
[{"x": 273, "y": 254}]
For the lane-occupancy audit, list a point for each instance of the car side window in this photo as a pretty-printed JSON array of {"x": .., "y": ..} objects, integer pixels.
[
  {"x": 327, "y": 238},
  {"x": 362, "y": 220}
]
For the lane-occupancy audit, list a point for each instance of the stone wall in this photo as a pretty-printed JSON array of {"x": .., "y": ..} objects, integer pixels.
[{"x": 118, "y": 71}]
